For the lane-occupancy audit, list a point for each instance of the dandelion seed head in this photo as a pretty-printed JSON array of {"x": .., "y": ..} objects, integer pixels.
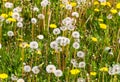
[
  {"x": 34, "y": 20},
  {"x": 102, "y": 1},
  {"x": 10, "y": 33},
  {"x": 53, "y": 44},
  {"x": 19, "y": 24},
  {"x": 82, "y": 64},
  {"x": 81, "y": 1},
  {"x": 8, "y": 5},
  {"x": 81, "y": 80},
  {"x": 64, "y": 2},
  {"x": 56, "y": 31},
  {"x": 75, "y": 64},
  {"x": 50, "y": 68},
  {"x": 35, "y": 70},
  {"x": 58, "y": 49},
  {"x": 119, "y": 13},
  {"x": 76, "y": 45},
  {"x": 68, "y": 7},
  {"x": 75, "y": 14},
  {"x": 1, "y": 19},
  {"x": 116, "y": 68},
  {"x": 14, "y": 78},
  {"x": 80, "y": 54},
  {"x": 107, "y": 49},
  {"x": 35, "y": 9},
  {"x": 58, "y": 39},
  {"x": 111, "y": 71},
  {"x": 44, "y": 3},
  {"x": 15, "y": 15},
  {"x": 20, "y": 19},
  {"x": 58, "y": 73},
  {"x": 40, "y": 37},
  {"x": 119, "y": 40},
  {"x": 17, "y": 9},
  {"x": 33, "y": 45},
  {"x": 41, "y": 16},
  {"x": 111, "y": 53},
  {"x": 27, "y": 68},
  {"x": 73, "y": 61},
  {"x": 63, "y": 28},
  {"x": 20, "y": 80},
  {"x": 75, "y": 34},
  {"x": 71, "y": 27},
  {"x": 109, "y": 16},
  {"x": 67, "y": 21},
  {"x": 64, "y": 41}
]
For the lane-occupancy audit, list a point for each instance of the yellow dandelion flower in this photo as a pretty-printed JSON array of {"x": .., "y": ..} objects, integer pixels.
[
  {"x": 96, "y": 10},
  {"x": 118, "y": 5},
  {"x": 74, "y": 71},
  {"x": 53, "y": 26},
  {"x": 21, "y": 59},
  {"x": 19, "y": 39},
  {"x": 11, "y": 20},
  {"x": 3, "y": 76},
  {"x": 113, "y": 11},
  {"x": 39, "y": 52},
  {"x": 24, "y": 45},
  {"x": 93, "y": 73},
  {"x": 27, "y": 45},
  {"x": 74, "y": 4},
  {"x": 103, "y": 3},
  {"x": 4, "y": 0},
  {"x": 96, "y": 3},
  {"x": 104, "y": 69},
  {"x": 108, "y": 4},
  {"x": 10, "y": 13},
  {"x": 103, "y": 26},
  {"x": 94, "y": 39},
  {"x": 100, "y": 20},
  {"x": 4, "y": 15},
  {"x": 62, "y": 5}
]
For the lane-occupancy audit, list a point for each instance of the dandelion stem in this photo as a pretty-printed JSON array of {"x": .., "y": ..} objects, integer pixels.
[
  {"x": 0, "y": 33},
  {"x": 103, "y": 77},
  {"x": 22, "y": 53},
  {"x": 32, "y": 31},
  {"x": 63, "y": 58},
  {"x": 49, "y": 77},
  {"x": 49, "y": 18},
  {"x": 118, "y": 47},
  {"x": 115, "y": 78},
  {"x": 75, "y": 53},
  {"x": 58, "y": 79},
  {"x": 44, "y": 12},
  {"x": 59, "y": 60}
]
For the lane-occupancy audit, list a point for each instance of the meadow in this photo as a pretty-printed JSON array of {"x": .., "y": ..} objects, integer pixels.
[{"x": 59, "y": 41}]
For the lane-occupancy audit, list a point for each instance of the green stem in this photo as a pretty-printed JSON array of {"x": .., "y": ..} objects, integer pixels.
[
  {"x": 0, "y": 33},
  {"x": 49, "y": 77},
  {"x": 103, "y": 77},
  {"x": 32, "y": 31},
  {"x": 22, "y": 53}
]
